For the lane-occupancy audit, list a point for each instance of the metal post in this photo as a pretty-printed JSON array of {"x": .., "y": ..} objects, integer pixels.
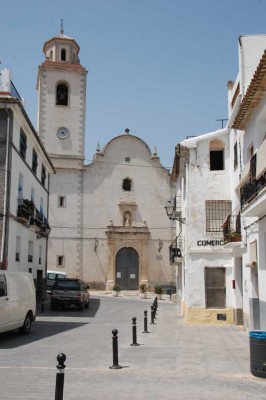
[
  {"x": 145, "y": 322},
  {"x": 152, "y": 316},
  {"x": 42, "y": 306},
  {"x": 115, "y": 350},
  {"x": 134, "y": 332},
  {"x": 59, "y": 385}
]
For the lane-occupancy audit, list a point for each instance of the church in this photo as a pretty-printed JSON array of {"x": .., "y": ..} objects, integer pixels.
[{"x": 107, "y": 218}]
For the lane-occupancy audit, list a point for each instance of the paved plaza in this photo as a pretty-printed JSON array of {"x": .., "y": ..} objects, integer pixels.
[{"x": 173, "y": 361}]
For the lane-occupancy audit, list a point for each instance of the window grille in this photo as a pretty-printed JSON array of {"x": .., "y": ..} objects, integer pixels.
[{"x": 216, "y": 213}]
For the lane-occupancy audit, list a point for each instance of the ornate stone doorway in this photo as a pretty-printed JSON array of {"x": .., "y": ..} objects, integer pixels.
[{"x": 127, "y": 269}]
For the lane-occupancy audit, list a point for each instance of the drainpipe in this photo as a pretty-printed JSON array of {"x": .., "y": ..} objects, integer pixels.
[{"x": 6, "y": 201}]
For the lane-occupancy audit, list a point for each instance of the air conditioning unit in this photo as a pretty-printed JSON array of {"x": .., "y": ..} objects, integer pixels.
[{"x": 251, "y": 264}]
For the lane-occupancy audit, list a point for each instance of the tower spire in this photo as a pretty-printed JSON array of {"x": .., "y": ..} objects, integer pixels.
[{"x": 62, "y": 26}]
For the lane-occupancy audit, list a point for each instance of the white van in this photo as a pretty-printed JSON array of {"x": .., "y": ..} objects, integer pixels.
[
  {"x": 52, "y": 277},
  {"x": 17, "y": 301}
]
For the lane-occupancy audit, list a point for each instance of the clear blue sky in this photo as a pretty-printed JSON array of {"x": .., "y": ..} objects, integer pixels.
[{"x": 158, "y": 67}]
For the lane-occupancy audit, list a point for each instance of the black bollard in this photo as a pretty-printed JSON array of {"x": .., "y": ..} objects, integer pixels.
[
  {"x": 152, "y": 316},
  {"x": 59, "y": 385},
  {"x": 134, "y": 332},
  {"x": 42, "y": 306},
  {"x": 154, "y": 310},
  {"x": 145, "y": 322},
  {"x": 115, "y": 350}
]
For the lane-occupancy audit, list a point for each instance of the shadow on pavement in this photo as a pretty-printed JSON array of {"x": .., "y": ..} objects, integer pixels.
[
  {"x": 45, "y": 328},
  {"x": 69, "y": 311}
]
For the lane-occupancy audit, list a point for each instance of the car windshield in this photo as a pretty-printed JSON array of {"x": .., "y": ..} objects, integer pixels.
[{"x": 69, "y": 285}]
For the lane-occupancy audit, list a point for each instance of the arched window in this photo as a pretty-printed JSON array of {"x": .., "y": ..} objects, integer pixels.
[
  {"x": 61, "y": 94},
  {"x": 216, "y": 155},
  {"x": 127, "y": 184},
  {"x": 63, "y": 55}
]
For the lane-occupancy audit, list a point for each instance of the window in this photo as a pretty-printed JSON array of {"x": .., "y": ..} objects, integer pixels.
[
  {"x": 61, "y": 201},
  {"x": 216, "y": 155},
  {"x": 127, "y": 184},
  {"x": 61, "y": 95},
  {"x": 216, "y": 213},
  {"x": 63, "y": 55},
  {"x": 20, "y": 188},
  {"x": 32, "y": 194},
  {"x": 215, "y": 287},
  {"x": 41, "y": 206},
  {"x": 30, "y": 251},
  {"x": 235, "y": 156},
  {"x": 23, "y": 144},
  {"x": 34, "y": 161},
  {"x": 43, "y": 177},
  {"x": 40, "y": 255},
  {"x": 60, "y": 261},
  {"x": 18, "y": 248},
  {"x": 3, "y": 287}
]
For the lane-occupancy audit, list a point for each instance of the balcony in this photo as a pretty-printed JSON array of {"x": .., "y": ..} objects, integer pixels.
[
  {"x": 176, "y": 250},
  {"x": 232, "y": 230},
  {"x": 253, "y": 192},
  {"x": 25, "y": 210}
]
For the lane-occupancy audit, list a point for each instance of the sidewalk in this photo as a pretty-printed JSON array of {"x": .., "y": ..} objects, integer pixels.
[{"x": 172, "y": 362}]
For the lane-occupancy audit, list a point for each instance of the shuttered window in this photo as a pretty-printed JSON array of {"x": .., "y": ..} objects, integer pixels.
[{"x": 215, "y": 287}]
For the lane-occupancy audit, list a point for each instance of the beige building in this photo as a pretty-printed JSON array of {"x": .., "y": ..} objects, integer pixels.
[{"x": 107, "y": 218}]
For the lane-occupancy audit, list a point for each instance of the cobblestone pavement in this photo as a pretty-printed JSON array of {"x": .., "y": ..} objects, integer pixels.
[{"x": 173, "y": 361}]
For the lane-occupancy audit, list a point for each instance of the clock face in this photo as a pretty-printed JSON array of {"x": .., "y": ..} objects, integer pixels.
[{"x": 62, "y": 133}]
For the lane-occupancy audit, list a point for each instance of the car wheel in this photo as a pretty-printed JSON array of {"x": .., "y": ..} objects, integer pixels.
[
  {"x": 81, "y": 306},
  {"x": 53, "y": 305},
  {"x": 26, "y": 327},
  {"x": 87, "y": 304}
]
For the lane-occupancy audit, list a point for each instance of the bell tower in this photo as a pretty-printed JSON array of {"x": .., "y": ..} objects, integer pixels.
[{"x": 61, "y": 86}]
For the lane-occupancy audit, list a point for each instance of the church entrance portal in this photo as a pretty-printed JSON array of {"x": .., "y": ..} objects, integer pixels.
[{"x": 127, "y": 269}]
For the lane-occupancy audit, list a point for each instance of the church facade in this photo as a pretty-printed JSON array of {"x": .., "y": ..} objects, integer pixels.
[{"x": 107, "y": 218}]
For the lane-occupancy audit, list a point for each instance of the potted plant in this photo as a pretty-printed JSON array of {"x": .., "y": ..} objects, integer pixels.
[
  {"x": 116, "y": 289},
  {"x": 143, "y": 290},
  {"x": 158, "y": 290}
]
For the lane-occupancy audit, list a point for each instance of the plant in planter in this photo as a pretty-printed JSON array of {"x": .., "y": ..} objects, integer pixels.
[
  {"x": 116, "y": 289},
  {"x": 158, "y": 290},
  {"x": 143, "y": 290}
]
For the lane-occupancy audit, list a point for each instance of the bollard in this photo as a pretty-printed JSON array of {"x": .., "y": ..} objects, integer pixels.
[
  {"x": 134, "y": 332},
  {"x": 59, "y": 385},
  {"x": 154, "y": 311},
  {"x": 145, "y": 322},
  {"x": 115, "y": 350},
  {"x": 152, "y": 316},
  {"x": 42, "y": 306}
]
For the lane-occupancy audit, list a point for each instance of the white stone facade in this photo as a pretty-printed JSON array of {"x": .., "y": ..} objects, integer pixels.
[
  {"x": 107, "y": 218},
  {"x": 25, "y": 172}
]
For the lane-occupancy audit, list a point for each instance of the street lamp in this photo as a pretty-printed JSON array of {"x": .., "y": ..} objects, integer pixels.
[{"x": 173, "y": 214}]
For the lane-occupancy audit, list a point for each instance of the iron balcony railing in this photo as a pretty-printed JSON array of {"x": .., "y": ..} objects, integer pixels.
[
  {"x": 28, "y": 212},
  {"x": 232, "y": 229},
  {"x": 251, "y": 189}
]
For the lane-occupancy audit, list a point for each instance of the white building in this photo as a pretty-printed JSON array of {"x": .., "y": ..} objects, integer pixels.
[
  {"x": 108, "y": 219},
  {"x": 247, "y": 112},
  {"x": 221, "y": 275},
  {"x": 25, "y": 172},
  {"x": 204, "y": 271}
]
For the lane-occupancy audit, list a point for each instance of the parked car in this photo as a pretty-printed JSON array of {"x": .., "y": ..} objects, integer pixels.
[
  {"x": 70, "y": 292},
  {"x": 17, "y": 301},
  {"x": 51, "y": 278}
]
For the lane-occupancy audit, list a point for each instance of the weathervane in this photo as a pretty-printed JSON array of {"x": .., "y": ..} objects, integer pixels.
[{"x": 62, "y": 26}]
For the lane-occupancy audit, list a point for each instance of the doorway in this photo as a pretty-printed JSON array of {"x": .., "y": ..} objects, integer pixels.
[{"x": 127, "y": 269}]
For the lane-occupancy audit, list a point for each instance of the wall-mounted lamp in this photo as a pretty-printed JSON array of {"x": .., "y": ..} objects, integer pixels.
[
  {"x": 96, "y": 244},
  {"x": 173, "y": 214},
  {"x": 160, "y": 245}
]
